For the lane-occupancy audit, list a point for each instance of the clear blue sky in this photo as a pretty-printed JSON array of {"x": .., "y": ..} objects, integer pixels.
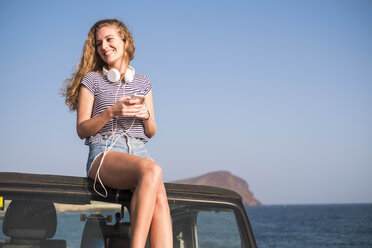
[{"x": 277, "y": 92}]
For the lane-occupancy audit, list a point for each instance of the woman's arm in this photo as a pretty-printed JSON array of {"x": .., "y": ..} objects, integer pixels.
[
  {"x": 147, "y": 114},
  {"x": 87, "y": 126}
]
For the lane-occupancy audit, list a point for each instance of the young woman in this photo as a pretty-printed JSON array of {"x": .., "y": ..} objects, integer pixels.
[{"x": 116, "y": 127}]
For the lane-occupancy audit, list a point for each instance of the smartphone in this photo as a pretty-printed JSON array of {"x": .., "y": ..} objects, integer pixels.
[{"x": 140, "y": 97}]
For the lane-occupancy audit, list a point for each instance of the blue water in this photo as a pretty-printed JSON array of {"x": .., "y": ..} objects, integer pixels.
[{"x": 341, "y": 225}]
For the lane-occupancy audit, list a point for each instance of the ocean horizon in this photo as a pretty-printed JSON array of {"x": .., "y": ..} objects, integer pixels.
[{"x": 312, "y": 225}]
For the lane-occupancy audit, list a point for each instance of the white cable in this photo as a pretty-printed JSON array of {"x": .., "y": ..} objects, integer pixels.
[{"x": 107, "y": 149}]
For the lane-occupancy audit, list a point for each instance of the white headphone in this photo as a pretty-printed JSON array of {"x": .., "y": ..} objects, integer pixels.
[{"x": 113, "y": 75}]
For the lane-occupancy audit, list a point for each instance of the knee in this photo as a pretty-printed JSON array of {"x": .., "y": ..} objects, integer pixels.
[{"x": 150, "y": 171}]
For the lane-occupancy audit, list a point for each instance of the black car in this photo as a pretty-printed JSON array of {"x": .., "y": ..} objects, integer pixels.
[{"x": 64, "y": 211}]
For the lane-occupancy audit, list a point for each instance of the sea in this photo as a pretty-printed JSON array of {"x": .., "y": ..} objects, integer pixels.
[
  {"x": 329, "y": 225},
  {"x": 288, "y": 226}
]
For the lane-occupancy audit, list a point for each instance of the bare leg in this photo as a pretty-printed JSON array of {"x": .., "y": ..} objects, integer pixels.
[
  {"x": 161, "y": 226},
  {"x": 125, "y": 171}
]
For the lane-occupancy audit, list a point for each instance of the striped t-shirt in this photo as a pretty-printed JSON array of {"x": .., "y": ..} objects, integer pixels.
[{"x": 104, "y": 93}]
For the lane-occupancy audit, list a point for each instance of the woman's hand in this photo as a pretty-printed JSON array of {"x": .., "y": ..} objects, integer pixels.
[
  {"x": 126, "y": 107},
  {"x": 143, "y": 113}
]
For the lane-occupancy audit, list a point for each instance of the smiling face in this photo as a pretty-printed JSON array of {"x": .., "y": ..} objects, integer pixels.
[{"x": 111, "y": 47}]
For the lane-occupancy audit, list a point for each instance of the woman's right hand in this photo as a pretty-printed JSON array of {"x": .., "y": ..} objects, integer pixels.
[{"x": 126, "y": 107}]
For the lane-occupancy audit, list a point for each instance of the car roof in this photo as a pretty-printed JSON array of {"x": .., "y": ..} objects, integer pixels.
[{"x": 79, "y": 190}]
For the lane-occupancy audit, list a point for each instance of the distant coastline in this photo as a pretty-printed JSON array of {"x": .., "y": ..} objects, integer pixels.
[{"x": 224, "y": 179}]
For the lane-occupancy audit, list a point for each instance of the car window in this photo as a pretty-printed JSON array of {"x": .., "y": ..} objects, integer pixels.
[
  {"x": 89, "y": 225},
  {"x": 217, "y": 229},
  {"x": 201, "y": 225},
  {"x": 47, "y": 224}
]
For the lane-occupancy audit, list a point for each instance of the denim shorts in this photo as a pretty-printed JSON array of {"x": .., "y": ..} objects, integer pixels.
[{"x": 124, "y": 144}]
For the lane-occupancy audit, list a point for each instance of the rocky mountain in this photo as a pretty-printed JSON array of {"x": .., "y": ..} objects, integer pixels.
[{"x": 225, "y": 179}]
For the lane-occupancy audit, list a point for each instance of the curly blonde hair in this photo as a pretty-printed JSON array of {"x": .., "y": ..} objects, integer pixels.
[{"x": 91, "y": 61}]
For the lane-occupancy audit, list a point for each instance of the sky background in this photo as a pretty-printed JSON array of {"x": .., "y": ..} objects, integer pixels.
[{"x": 276, "y": 92}]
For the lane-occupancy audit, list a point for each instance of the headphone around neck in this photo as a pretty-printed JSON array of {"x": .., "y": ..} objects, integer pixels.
[{"x": 113, "y": 75}]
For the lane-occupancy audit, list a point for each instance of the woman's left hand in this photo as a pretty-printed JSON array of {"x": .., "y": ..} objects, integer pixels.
[{"x": 143, "y": 113}]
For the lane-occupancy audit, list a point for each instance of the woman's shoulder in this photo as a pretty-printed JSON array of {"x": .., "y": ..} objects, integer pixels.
[
  {"x": 142, "y": 82},
  {"x": 93, "y": 75},
  {"x": 91, "y": 80},
  {"x": 141, "y": 77}
]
